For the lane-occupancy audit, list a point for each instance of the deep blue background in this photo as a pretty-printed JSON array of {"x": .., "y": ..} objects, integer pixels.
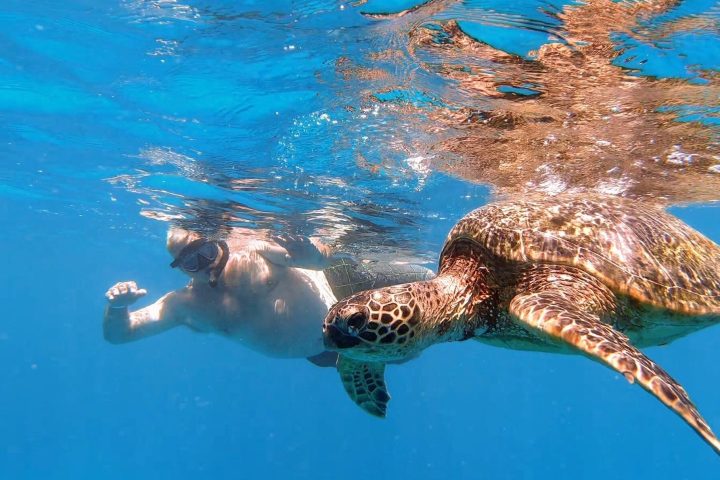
[
  {"x": 189, "y": 405},
  {"x": 80, "y": 100}
]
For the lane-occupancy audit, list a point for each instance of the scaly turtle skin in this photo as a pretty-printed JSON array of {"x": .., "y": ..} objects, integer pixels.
[{"x": 599, "y": 276}]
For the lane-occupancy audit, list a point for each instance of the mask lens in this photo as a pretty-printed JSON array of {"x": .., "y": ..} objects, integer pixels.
[
  {"x": 201, "y": 258},
  {"x": 200, "y": 254},
  {"x": 209, "y": 251},
  {"x": 190, "y": 263}
]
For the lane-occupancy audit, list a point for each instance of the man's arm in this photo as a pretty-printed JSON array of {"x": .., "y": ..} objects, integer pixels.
[
  {"x": 122, "y": 326},
  {"x": 296, "y": 252}
]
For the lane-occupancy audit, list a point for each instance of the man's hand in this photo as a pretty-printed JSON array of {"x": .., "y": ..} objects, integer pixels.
[{"x": 124, "y": 294}]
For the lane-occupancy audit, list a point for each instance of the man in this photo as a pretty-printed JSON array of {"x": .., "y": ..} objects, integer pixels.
[{"x": 270, "y": 295}]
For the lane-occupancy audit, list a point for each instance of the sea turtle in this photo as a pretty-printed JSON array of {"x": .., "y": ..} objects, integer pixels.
[{"x": 595, "y": 275}]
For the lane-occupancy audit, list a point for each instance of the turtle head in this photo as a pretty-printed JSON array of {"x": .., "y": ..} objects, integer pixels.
[{"x": 376, "y": 325}]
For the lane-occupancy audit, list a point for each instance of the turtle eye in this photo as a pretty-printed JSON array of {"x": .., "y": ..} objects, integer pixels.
[{"x": 357, "y": 321}]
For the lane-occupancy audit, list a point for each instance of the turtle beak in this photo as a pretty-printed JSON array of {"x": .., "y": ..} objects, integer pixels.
[{"x": 336, "y": 339}]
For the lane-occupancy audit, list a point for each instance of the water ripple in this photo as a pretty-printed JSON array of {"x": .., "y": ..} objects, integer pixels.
[{"x": 343, "y": 118}]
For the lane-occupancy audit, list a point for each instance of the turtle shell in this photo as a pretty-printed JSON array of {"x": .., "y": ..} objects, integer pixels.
[
  {"x": 635, "y": 249},
  {"x": 347, "y": 277}
]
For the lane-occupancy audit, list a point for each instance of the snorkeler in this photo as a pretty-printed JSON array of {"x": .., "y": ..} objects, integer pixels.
[{"x": 269, "y": 295}]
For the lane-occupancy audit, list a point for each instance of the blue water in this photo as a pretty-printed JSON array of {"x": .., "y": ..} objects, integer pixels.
[{"x": 119, "y": 117}]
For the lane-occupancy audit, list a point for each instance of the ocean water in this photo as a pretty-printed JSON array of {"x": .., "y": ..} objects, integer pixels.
[{"x": 375, "y": 131}]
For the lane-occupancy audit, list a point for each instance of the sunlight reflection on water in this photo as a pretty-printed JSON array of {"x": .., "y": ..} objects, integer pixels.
[{"x": 264, "y": 115}]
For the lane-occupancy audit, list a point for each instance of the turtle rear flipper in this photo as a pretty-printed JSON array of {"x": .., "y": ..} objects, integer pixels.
[
  {"x": 550, "y": 306},
  {"x": 365, "y": 384}
]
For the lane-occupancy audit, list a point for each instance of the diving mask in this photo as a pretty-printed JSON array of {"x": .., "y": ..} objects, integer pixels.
[{"x": 200, "y": 255}]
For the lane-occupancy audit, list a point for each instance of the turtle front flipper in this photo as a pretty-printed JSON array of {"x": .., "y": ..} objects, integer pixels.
[
  {"x": 365, "y": 383},
  {"x": 550, "y": 305}
]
